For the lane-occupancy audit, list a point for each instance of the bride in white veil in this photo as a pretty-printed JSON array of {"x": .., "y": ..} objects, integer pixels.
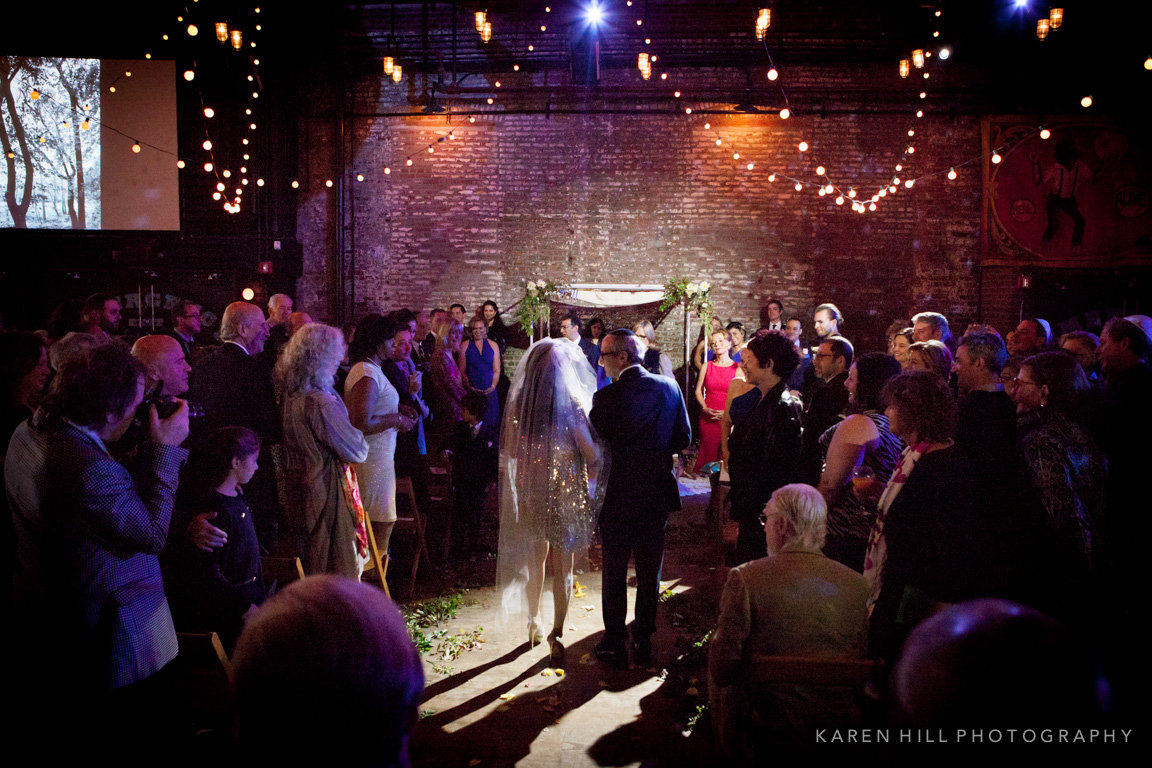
[{"x": 548, "y": 453}]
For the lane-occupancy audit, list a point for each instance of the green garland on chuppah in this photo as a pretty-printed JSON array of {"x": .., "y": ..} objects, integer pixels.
[
  {"x": 697, "y": 296},
  {"x": 534, "y": 304}
]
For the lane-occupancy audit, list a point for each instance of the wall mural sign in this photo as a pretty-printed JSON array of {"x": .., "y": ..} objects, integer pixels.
[{"x": 1079, "y": 198}]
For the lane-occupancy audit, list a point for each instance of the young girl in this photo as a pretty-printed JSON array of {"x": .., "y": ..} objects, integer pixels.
[{"x": 213, "y": 590}]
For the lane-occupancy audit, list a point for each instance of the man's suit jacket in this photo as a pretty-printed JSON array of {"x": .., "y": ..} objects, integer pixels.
[
  {"x": 185, "y": 345},
  {"x": 591, "y": 351},
  {"x": 88, "y": 534},
  {"x": 795, "y": 603},
  {"x": 234, "y": 389},
  {"x": 763, "y": 449},
  {"x": 643, "y": 421}
]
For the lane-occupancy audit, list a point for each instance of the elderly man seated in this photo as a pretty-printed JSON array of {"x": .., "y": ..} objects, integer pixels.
[{"x": 795, "y": 602}]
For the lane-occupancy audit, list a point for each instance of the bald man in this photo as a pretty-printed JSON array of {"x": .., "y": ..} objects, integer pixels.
[
  {"x": 296, "y": 321},
  {"x": 233, "y": 388},
  {"x": 164, "y": 362}
]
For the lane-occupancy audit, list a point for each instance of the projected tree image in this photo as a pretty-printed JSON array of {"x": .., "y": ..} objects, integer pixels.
[{"x": 49, "y": 109}]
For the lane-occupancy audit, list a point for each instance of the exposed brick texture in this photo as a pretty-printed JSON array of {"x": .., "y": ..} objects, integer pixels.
[{"x": 642, "y": 198}]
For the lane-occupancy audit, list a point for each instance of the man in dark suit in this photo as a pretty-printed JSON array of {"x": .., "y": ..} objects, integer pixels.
[
  {"x": 642, "y": 420},
  {"x": 570, "y": 329},
  {"x": 825, "y": 404},
  {"x": 87, "y": 585},
  {"x": 185, "y": 326},
  {"x": 233, "y": 388}
]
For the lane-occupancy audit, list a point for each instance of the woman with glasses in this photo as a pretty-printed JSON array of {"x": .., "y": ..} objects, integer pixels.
[{"x": 1066, "y": 470}]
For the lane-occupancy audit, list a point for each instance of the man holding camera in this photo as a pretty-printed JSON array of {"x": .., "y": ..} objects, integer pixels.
[{"x": 87, "y": 587}]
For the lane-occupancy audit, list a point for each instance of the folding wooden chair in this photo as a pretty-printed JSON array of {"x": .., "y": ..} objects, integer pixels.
[
  {"x": 410, "y": 520},
  {"x": 279, "y": 572},
  {"x": 200, "y": 683}
]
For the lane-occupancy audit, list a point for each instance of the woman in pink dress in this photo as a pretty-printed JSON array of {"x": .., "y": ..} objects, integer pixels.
[{"x": 712, "y": 394}]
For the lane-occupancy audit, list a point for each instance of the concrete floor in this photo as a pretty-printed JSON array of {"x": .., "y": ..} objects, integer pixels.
[{"x": 503, "y": 704}]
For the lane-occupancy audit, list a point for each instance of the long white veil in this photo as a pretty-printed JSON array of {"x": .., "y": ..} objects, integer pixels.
[{"x": 550, "y": 397}]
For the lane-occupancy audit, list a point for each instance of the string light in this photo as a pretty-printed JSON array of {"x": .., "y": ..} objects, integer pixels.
[
  {"x": 763, "y": 21},
  {"x": 1045, "y": 133},
  {"x": 952, "y": 174},
  {"x": 996, "y": 158},
  {"x": 209, "y": 112},
  {"x": 189, "y": 75},
  {"x": 785, "y": 113},
  {"x": 1086, "y": 102},
  {"x": 136, "y": 148},
  {"x": 773, "y": 74},
  {"x": 802, "y": 146}
]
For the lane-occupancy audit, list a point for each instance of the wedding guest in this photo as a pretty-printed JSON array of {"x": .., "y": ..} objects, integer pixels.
[
  {"x": 712, "y": 395},
  {"x": 596, "y": 330},
  {"x": 739, "y": 339},
  {"x": 479, "y": 362},
  {"x": 925, "y": 546},
  {"x": 447, "y": 391},
  {"x": 932, "y": 356},
  {"x": 765, "y": 444},
  {"x": 655, "y": 361},
  {"x": 928, "y": 326},
  {"x": 1066, "y": 471},
  {"x": 497, "y": 331},
  {"x": 215, "y": 590},
  {"x": 24, "y": 377},
  {"x": 1082, "y": 346},
  {"x": 319, "y": 445},
  {"x": 862, "y": 440},
  {"x": 326, "y": 667},
  {"x": 901, "y": 342},
  {"x": 794, "y": 602},
  {"x": 374, "y": 409}
]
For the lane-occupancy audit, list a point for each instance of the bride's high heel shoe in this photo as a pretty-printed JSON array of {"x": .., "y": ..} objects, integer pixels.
[
  {"x": 535, "y": 634},
  {"x": 555, "y": 647}
]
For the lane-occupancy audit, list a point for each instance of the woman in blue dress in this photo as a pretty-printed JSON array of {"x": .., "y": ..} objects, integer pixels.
[{"x": 479, "y": 361}]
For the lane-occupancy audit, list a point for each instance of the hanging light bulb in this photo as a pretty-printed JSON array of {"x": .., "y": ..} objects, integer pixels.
[
  {"x": 905, "y": 67},
  {"x": 996, "y": 158},
  {"x": 207, "y": 145},
  {"x": 481, "y": 20},
  {"x": 222, "y": 31},
  {"x": 136, "y": 148},
  {"x": 1056, "y": 17},
  {"x": 486, "y": 33},
  {"x": 799, "y": 187},
  {"x": 237, "y": 38},
  {"x": 802, "y": 146},
  {"x": 952, "y": 174},
  {"x": 785, "y": 113},
  {"x": 773, "y": 74},
  {"x": 1086, "y": 102},
  {"x": 839, "y": 199},
  {"x": 1045, "y": 133},
  {"x": 397, "y": 73},
  {"x": 771, "y": 177},
  {"x": 1042, "y": 28},
  {"x": 918, "y": 58},
  {"x": 644, "y": 65},
  {"x": 820, "y": 170},
  {"x": 389, "y": 64}
]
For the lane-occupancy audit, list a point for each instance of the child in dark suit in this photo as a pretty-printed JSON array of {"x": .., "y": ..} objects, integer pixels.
[{"x": 474, "y": 455}]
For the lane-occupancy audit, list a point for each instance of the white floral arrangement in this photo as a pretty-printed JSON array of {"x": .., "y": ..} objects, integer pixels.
[{"x": 535, "y": 302}]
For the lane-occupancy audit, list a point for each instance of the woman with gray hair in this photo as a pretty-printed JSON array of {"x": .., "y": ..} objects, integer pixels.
[
  {"x": 320, "y": 444},
  {"x": 794, "y": 602}
]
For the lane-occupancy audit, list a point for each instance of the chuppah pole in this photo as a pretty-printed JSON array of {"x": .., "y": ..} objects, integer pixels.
[{"x": 687, "y": 362}]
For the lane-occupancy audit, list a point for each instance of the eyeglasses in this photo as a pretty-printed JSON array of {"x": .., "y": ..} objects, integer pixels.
[
  {"x": 765, "y": 515},
  {"x": 1018, "y": 381}
]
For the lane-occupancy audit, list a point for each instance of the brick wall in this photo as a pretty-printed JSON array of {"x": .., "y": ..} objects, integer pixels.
[{"x": 642, "y": 198}]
